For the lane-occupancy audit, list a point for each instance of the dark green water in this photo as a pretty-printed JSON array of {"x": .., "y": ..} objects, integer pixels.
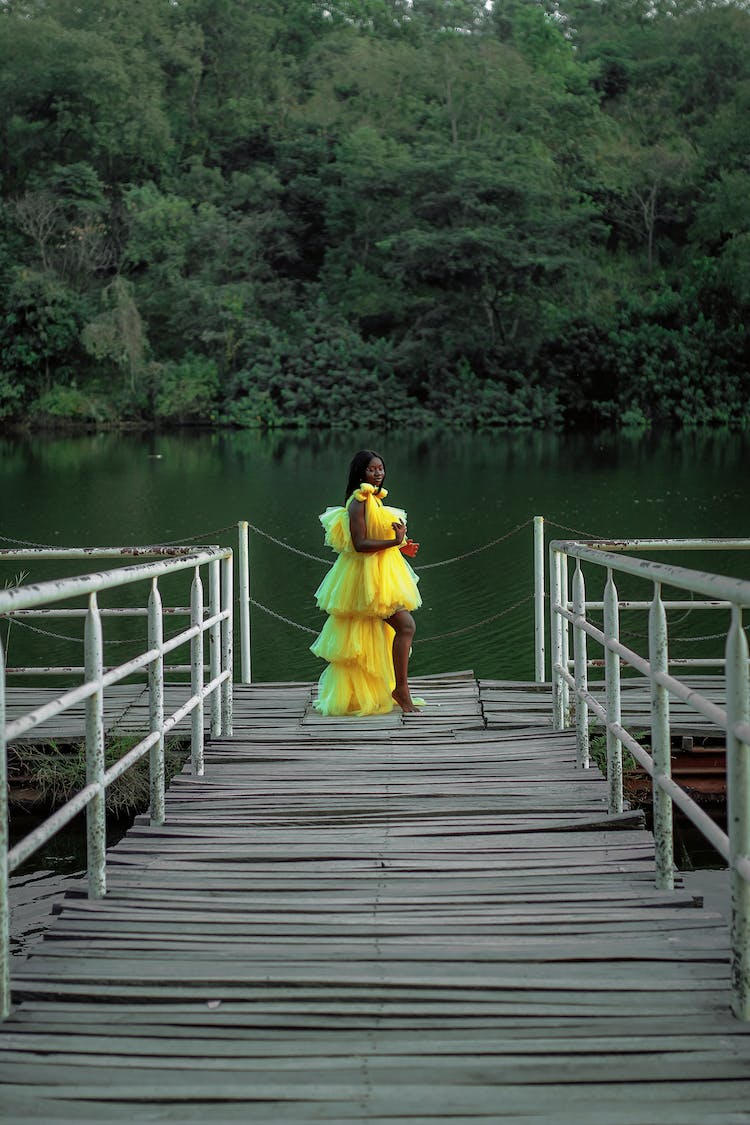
[{"x": 461, "y": 491}]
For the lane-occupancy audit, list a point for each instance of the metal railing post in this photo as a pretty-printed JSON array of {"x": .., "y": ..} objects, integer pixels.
[
  {"x": 565, "y": 638},
  {"x": 581, "y": 673},
  {"x": 214, "y": 642},
  {"x": 539, "y": 655},
  {"x": 96, "y": 813},
  {"x": 658, "y": 657},
  {"x": 156, "y": 704},
  {"x": 227, "y": 646},
  {"x": 196, "y": 674},
  {"x": 558, "y": 719},
  {"x": 612, "y": 681},
  {"x": 4, "y": 903},
  {"x": 738, "y": 814},
  {"x": 243, "y": 563}
]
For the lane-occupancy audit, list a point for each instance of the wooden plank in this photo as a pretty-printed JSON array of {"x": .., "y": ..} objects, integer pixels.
[{"x": 417, "y": 920}]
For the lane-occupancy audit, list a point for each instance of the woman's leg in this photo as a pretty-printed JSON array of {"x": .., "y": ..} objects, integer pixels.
[{"x": 403, "y": 625}]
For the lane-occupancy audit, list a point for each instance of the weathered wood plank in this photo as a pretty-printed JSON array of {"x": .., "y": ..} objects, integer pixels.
[{"x": 411, "y": 920}]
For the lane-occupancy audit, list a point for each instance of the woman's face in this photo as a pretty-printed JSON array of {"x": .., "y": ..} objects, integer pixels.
[{"x": 375, "y": 472}]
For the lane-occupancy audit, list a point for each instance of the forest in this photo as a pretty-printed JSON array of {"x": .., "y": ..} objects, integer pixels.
[{"x": 394, "y": 212}]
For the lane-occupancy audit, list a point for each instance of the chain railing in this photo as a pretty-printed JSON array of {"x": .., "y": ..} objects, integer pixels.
[
  {"x": 25, "y": 550},
  {"x": 246, "y": 601},
  {"x": 569, "y": 608},
  {"x": 213, "y": 621}
]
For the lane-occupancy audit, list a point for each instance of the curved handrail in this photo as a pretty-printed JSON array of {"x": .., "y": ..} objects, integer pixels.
[{"x": 569, "y": 608}]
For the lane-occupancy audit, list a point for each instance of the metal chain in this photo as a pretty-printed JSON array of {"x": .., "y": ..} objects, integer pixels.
[
  {"x": 202, "y": 538},
  {"x": 708, "y": 637},
  {"x": 673, "y": 640},
  {"x": 575, "y": 530},
  {"x": 418, "y": 640},
  {"x": 286, "y": 620},
  {"x": 425, "y": 566},
  {"x": 476, "y": 624},
  {"x": 644, "y": 636},
  {"x": 476, "y": 550},
  {"x": 41, "y": 632},
  {"x": 76, "y": 640},
  {"x": 288, "y": 546},
  {"x": 26, "y": 543}
]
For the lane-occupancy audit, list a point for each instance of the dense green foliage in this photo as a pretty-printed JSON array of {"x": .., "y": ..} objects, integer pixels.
[{"x": 298, "y": 213}]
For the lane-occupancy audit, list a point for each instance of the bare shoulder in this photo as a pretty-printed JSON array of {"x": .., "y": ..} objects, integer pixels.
[{"x": 357, "y": 509}]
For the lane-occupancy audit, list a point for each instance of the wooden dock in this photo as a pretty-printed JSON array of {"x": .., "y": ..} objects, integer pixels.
[
  {"x": 418, "y": 919},
  {"x": 503, "y": 704}
]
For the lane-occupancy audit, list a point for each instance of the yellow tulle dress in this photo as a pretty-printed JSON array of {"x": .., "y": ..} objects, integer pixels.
[{"x": 358, "y": 593}]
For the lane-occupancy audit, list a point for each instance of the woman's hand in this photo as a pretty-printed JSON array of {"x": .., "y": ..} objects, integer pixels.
[
  {"x": 409, "y": 547},
  {"x": 360, "y": 539}
]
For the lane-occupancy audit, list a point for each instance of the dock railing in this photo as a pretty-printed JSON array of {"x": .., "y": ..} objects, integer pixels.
[
  {"x": 569, "y": 606},
  {"x": 214, "y": 621}
]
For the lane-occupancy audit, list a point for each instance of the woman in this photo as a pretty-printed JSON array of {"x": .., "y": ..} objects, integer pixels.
[{"x": 368, "y": 595}]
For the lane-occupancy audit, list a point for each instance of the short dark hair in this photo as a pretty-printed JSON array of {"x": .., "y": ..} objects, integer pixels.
[{"x": 360, "y": 461}]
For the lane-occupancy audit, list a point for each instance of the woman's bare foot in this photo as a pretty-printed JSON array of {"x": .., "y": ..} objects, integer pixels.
[{"x": 405, "y": 701}]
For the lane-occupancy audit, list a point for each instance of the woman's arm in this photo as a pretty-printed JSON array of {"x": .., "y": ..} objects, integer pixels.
[{"x": 357, "y": 526}]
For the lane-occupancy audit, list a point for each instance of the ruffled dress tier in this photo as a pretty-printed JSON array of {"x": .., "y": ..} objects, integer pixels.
[{"x": 360, "y": 591}]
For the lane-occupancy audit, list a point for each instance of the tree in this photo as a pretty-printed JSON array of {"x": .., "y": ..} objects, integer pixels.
[{"x": 117, "y": 334}]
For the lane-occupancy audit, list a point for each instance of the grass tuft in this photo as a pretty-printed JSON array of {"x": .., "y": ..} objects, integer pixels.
[{"x": 56, "y": 773}]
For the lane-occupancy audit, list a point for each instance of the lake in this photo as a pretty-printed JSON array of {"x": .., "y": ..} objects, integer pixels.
[{"x": 461, "y": 490}]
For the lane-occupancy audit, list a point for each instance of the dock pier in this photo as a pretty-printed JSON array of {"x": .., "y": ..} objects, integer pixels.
[{"x": 420, "y": 918}]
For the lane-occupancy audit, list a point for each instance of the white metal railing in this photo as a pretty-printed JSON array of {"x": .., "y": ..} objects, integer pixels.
[
  {"x": 214, "y": 621},
  {"x": 622, "y": 545},
  {"x": 89, "y": 555},
  {"x": 568, "y": 609}
]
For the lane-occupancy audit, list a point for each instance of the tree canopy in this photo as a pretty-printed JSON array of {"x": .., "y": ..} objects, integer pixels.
[{"x": 303, "y": 213}]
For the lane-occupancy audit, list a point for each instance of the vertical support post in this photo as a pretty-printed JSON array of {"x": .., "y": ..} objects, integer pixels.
[
  {"x": 196, "y": 674},
  {"x": 658, "y": 656},
  {"x": 243, "y": 562},
  {"x": 555, "y": 597},
  {"x": 156, "y": 703},
  {"x": 214, "y": 642},
  {"x": 539, "y": 654},
  {"x": 612, "y": 680},
  {"x": 4, "y": 904},
  {"x": 227, "y": 646},
  {"x": 581, "y": 672},
  {"x": 565, "y": 627},
  {"x": 738, "y": 815},
  {"x": 96, "y": 816}
]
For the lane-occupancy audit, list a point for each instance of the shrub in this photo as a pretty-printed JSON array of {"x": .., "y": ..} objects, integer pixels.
[
  {"x": 187, "y": 391},
  {"x": 68, "y": 404}
]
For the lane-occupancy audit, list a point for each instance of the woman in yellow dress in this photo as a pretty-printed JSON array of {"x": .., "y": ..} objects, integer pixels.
[{"x": 368, "y": 595}]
